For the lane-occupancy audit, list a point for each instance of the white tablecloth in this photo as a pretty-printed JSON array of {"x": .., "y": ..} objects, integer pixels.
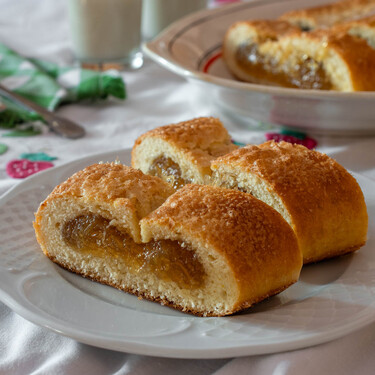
[{"x": 156, "y": 97}]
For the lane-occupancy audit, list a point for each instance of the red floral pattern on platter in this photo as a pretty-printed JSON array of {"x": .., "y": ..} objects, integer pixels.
[
  {"x": 308, "y": 142},
  {"x": 23, "y": 168}
]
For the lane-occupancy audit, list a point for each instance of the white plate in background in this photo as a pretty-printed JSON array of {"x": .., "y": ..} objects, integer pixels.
[{"x": 191, "y": 48}]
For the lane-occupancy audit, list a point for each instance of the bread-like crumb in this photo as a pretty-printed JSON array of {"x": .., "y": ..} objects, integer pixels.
[
  {"x": 192, "y": 145},
  {"x": 246, "y": 249}
]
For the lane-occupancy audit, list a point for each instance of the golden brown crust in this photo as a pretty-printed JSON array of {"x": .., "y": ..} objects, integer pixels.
[
  {"x": 325, "y": 203},
  {"x": 263, "y": 30},
  {"x": 357, "y": 55},
  {"x": 330, "y": 14},
  {"x": 200, "y": 133},
  {"x": 345, "y": 55},
  {"x": 248, "y": 35},
  {"x": 191, "y": 144},
  {"x": 257, "y": 244},
  {"x": 123, "y": 191},
  {"x": 361, "y": 29},
  {"x": 114, "y": 182},
  {"x": 202, "y": 139},
  {"x": 276, "y": 52},
  {"x": 258, "y": 258}
]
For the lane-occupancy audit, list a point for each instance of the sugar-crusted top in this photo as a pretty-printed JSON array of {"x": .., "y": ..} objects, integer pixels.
[
  {"x": 323, "y": 44},
  {"x": 262, "y": 30},
  {"x": 307, "y": 181},
  {"x": 112, "y": 181},
  {"x": 237, "y": 225},
  {"x": 287, "y": 166},
  {"x": 341, "y": 39},
  {"x": 204, "y": 135},
  {"x": 327, "y": 15},
  {"x": 323, "y": 200}
]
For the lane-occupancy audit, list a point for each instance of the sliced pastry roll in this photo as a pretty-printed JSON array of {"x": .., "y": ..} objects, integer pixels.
[
  {"x": 244, "y": 250},
  {"x": 86, "y": 221},
  {"x": 363, "y": 28},
  {"x": 241, "y": 50},
  {"x": 108, "y": 193},
  {"x": 325, "y": 59},
  {"x": 181, "y": 153},
  {"x": 330, "y": 14},
  {"x": 320, "y": 200},
  {"x": 206, "y": 250}
]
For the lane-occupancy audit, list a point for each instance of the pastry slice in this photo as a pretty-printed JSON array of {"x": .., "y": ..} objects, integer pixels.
[
  {"x": 244, "y": 250},
  {"x": 86, "y": 221},
  {"x": 181, "y": 153},
  {"x": 320, "y": 200},
  {"x": 241, "y": 50},
  {"x": 107, "y": 192},
  {"x": 363, "y": 28},
  {"x": 329, "y": 59},
  {"x": 330, "y": 14},
  {"x": 206, "y": 250}
]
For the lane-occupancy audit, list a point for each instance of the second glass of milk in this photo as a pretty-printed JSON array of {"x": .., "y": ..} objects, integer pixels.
[
  {"x": 106, "y": 32},
  {"x": 158, "y": 14}
]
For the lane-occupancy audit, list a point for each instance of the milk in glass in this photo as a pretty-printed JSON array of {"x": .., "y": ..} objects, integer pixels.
[{"x": 106, "y": 31}]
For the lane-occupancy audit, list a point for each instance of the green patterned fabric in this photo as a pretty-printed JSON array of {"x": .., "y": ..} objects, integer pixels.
[{"x": 50, "y": 85}]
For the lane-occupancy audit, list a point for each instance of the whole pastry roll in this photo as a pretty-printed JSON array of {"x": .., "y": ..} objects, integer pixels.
[
  {"x": 181, "y": 153},
  {"x": 206, "y": 250},
  {"x": 338, "y": 58},
  {"x": 320, "y": 199}
]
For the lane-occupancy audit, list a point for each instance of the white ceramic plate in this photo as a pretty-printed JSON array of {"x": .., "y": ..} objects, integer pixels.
[
  {"x": 331, "y": 299},
  {"x": 191, "y": 48}
]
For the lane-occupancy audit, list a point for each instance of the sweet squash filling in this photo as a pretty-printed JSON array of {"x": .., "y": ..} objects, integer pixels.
[
  {"x": 306, "y": 74},
  {"x": 169, "y": 260},
  {"x": 169, "y": 171}
]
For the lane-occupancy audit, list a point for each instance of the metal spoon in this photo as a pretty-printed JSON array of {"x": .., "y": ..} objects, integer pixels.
[{"x": 57, "y": 124}]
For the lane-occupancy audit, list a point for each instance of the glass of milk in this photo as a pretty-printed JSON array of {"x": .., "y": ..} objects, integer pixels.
[
  {"x": 158, "y": 14},
  {"x": 106, "y": 32}
]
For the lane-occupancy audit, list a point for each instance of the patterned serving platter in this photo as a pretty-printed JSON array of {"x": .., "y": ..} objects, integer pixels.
[{"x": 191, "y": 47}]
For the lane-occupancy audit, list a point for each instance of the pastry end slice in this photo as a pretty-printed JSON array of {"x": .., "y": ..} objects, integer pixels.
[
  {"x": 181, "y": 153},
  {"x": 320, "y": 199},
  {"x": 99, "y": 195}
]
